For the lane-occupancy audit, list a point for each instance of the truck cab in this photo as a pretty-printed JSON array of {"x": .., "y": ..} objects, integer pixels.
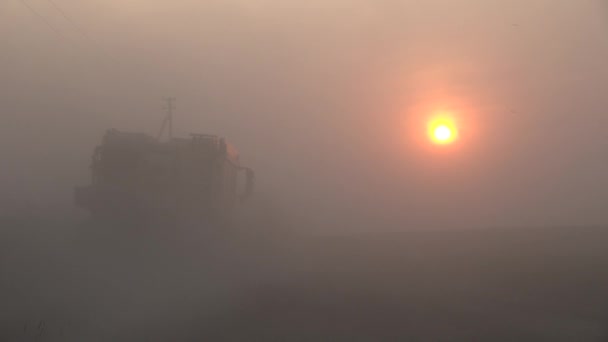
[{"x": 137, "y": 176}]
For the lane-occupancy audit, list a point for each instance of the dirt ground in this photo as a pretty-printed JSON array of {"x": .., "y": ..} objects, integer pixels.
[{"x": 76, "y": 281}]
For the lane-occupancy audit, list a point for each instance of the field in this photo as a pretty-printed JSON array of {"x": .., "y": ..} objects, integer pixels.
[{"x": 75, "y": 281}]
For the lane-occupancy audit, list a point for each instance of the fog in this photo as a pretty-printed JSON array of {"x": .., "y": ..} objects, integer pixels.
[{"x": 328, "y": 102}]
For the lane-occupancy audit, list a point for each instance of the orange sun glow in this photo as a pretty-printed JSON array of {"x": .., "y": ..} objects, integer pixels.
[{"x": 442, "y": 130}]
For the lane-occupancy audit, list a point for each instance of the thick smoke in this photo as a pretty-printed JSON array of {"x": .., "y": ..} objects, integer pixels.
[{"x": 327, "y": 101}]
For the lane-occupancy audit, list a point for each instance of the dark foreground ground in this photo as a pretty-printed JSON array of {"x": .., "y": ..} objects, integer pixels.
[{"x": 63, "y": 281}]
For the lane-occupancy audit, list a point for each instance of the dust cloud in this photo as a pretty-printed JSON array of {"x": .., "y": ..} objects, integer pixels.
[{"x": 359, "y": 227}]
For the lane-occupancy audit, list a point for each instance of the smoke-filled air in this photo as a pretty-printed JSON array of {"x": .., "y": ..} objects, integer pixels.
[{"x": 336, "y": 170}]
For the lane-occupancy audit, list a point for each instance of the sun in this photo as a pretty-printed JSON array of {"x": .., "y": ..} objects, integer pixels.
[
  {"x": 442, "y": 130},
  {"x": 442, "y": 133}
]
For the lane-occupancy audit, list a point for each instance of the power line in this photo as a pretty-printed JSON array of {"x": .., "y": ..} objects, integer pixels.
[
  {"x": 84, "y": 34},
  {"x": 108, "y": 61},
  {"x": 42, "y": 18},
  {"x": 107, "y": 58},
  {"x": 68, "y": 19},
  {"x": 59, "y": 33},
  {"x": 170, "y": 107},
  {"x": 103, "y": 63}
]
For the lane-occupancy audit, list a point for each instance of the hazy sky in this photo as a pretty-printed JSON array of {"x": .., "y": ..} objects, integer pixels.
[{"x": 327, "y": 100}]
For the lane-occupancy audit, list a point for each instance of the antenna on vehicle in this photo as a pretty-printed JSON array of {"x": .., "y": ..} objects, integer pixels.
[{"x": 169, "y": 107}]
